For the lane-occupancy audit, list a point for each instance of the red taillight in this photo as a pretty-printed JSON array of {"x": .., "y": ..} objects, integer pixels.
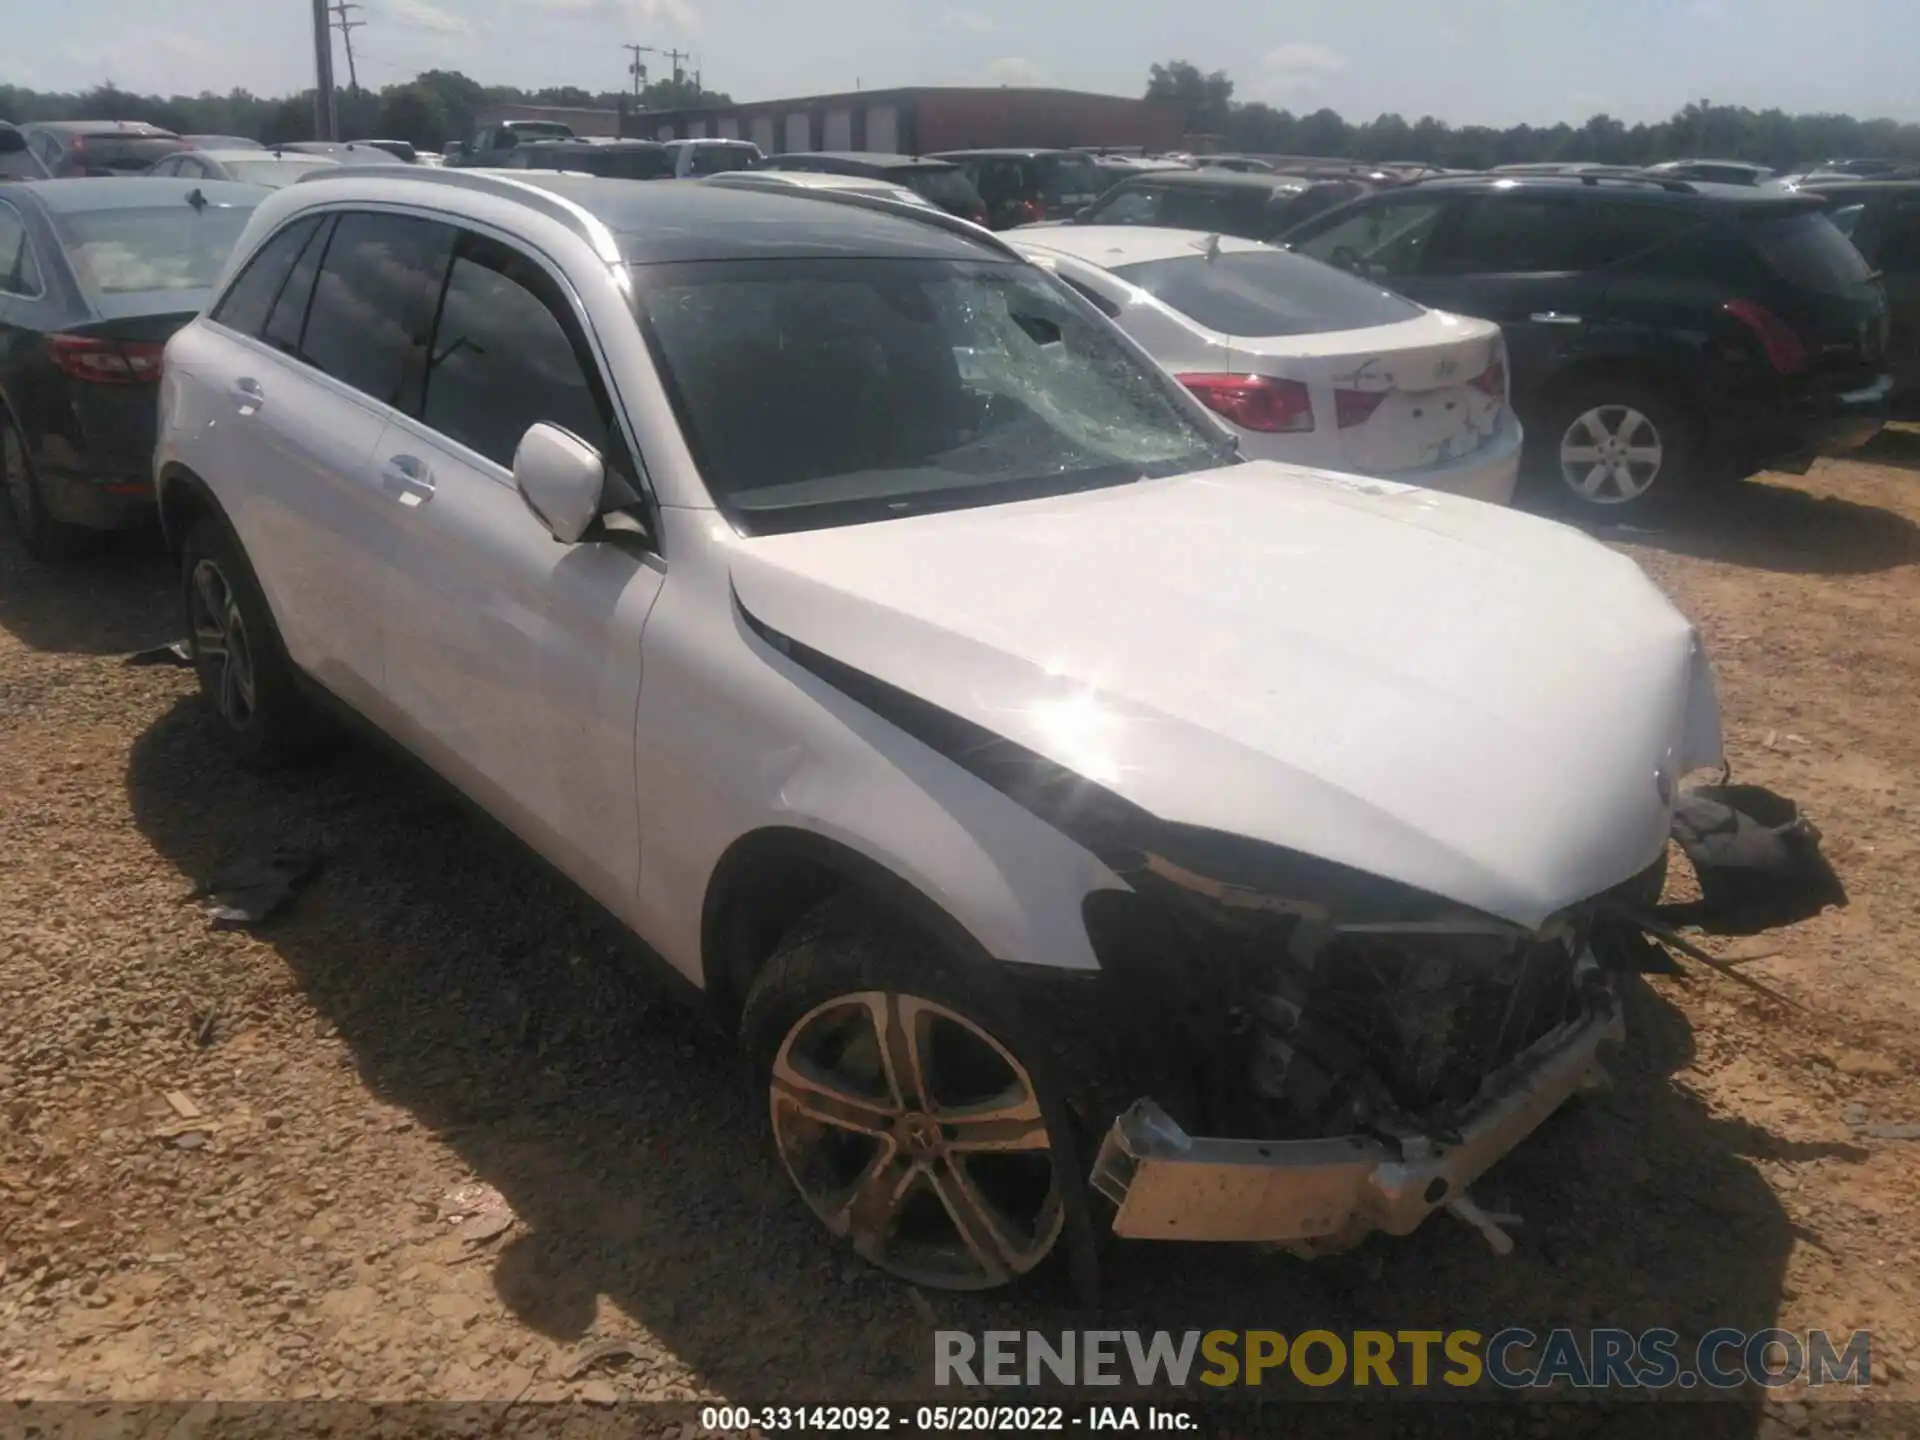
[
  {"x": 1255, "y": 402},
  {"x": 1492, "y": 381},
  {"x": 978, "y": 215},
  {"x": 1784, "y": 351},
  {"x": 1032, "y": 210},
  {"x": 1356, "y": 407},
  {"x": 106, "y": 362}
]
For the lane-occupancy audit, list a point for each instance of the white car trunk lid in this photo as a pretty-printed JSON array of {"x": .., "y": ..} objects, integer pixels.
[{"x": 1399, "y": 397}]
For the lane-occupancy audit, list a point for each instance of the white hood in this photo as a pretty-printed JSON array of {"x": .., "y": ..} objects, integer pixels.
[{"x": 1474, "y": 702}]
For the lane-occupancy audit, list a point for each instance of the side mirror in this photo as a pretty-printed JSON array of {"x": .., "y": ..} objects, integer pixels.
[{"x": 562, "y": 479}]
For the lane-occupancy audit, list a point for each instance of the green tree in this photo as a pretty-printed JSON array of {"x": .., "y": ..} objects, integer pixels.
[
  {"x": 1204, "y": 100},
  {"x": 413, "y": 113}
]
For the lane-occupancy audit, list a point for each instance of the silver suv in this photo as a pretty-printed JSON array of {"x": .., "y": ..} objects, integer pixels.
[{"x": 1081, "y": 826}]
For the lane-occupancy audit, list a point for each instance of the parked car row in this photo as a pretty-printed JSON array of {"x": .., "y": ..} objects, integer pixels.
[{"x": 1052, "y": 798}]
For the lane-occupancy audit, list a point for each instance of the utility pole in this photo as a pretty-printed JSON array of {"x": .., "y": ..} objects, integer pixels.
[
  {"x": 323, "y": 112},
  {"x": 636, "y": 69},
  {"x": 676, "y": 56},
  {"x": 346, "y": 28}
]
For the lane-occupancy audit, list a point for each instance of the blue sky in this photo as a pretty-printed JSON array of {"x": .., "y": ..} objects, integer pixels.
[{"x": 1495, "y": 62}]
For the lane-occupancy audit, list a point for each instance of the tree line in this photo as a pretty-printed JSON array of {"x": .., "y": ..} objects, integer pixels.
[
  {"x": 1700, "y": 129},
  {"x": 441, "y": 105},
  {"x": 432, "y": 108}
]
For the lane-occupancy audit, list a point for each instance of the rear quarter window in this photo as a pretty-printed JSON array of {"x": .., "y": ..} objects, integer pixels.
[{"x": 1808, "y": 250}]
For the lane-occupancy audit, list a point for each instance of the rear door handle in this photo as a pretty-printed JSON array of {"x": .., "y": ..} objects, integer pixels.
[
  {"x": 407, "y": 479},
  {"x": 1554, "y": 317},
  {"x": 248, "y": 395}
]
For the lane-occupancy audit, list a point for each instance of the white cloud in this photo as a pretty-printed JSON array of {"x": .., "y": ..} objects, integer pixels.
[
  {"x": 1015, "y": 70},
  {"x": 420, "y": 15},
  {"x": 1295, "y": 70},
  {"x": 626, "y": 12},
  {"x": 1303, "y": 57},
  {"x": 971, "y": 22}
]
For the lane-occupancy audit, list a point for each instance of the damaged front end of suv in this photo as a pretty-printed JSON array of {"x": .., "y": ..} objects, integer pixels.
[{"x": 1337, "y": 1066}]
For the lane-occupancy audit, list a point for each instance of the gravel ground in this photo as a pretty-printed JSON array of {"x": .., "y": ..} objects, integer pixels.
[{"x": 227, "y": 1157}]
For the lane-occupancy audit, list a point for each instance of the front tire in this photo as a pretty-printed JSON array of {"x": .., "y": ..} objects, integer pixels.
[
  {"x": 903, "y": 1104},
  {"x": 245, "y": 674},
  {"x": 1611, "y": 448}
]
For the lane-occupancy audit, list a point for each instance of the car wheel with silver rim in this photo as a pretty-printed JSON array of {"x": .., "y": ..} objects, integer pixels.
[
  {"x": 1610, "y": 446},
  {"x": 244, "y": 671},
  {"x": 900, "y": 1108}
]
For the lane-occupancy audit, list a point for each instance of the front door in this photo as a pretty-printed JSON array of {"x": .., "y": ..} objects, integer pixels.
[{"x": 513, "y": 660}]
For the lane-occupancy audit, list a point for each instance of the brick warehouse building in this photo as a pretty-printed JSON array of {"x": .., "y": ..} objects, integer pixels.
[{"x": 917, "y": 119}]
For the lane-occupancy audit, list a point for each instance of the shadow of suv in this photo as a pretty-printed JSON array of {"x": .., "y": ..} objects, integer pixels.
[{"x": 1661, "y": 332}]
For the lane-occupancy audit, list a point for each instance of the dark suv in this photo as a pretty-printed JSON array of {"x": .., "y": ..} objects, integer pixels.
[
  {"x": 66, "y": 148},
  {"x": 1661, "y": 332},
  {"x": 1882, "y": 218},
  {"x": 1021, "y": 186},
  {"x": 939, "y": 181}
]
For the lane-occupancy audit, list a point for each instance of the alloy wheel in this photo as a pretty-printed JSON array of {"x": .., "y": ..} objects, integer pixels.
[
  {"x": 1611, "y": 455},
  {"x": 220, "y": 644},
  {"x": 917, "y": 1135}
]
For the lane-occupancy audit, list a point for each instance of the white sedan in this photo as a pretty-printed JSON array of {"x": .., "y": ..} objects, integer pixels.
[{"x": 1306, "y": 363}]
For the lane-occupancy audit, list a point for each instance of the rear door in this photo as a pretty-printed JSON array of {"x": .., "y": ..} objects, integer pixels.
[
  {"x": 517, "y": 671},
  {"x": 342, "y": 348},
  {"x": 1531, "y": 264}
]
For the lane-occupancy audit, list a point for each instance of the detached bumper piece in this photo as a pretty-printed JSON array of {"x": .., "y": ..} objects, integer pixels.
[
  {"x": 1757, "y": 858},
  {"x": 1324, "y": 1195}
]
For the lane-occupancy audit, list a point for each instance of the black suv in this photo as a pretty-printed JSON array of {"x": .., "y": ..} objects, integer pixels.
[
  {"x": 1661, "y": 332},
  {"x": 1882, "y": 218},
  {"x": 1021, "y": 186}
]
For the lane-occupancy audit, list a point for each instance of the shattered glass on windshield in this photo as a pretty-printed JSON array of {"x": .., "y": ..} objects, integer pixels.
[{"x": 825, "y": 392}]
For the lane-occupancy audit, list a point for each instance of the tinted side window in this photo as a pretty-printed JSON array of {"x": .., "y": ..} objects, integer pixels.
[
  {"x": 373, "y": 304},
  {"x": 18, "y": 274},
  {"x": 289, "y": 315},
  {"x": 503, "y": 360},
  {"x": 1619, "y": 230},
  {"x": 249, "y": 300},
  {"x": 1384, "y": 239},
  {"x": 1515, "y": 235}
]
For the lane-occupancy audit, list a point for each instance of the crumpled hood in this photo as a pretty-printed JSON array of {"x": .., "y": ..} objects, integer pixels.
[{"x": 1483, "y": 705}]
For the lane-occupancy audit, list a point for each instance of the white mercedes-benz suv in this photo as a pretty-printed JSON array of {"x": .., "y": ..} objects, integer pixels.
[{"x": 1084, "y": 828}]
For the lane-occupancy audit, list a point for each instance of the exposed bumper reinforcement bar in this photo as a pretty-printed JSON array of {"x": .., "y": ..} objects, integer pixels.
[{"x": 1327, "y": 1194}]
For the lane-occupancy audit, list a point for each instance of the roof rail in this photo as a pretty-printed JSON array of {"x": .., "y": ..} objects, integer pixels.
[
  {"x": 926, "y": 215},
  {"x": 578, "y": 218}
]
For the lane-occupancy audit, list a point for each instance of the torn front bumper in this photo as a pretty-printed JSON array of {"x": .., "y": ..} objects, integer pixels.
[{"x": 1324, "y": 1195}]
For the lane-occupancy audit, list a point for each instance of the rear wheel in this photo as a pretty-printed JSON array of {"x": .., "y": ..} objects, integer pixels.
[
  {"x": 1611, "y": 447},
  {"x": 244, "y": 671},
  {"x": 902, "y": 1106},
  {"x": 41, "y": 536}
]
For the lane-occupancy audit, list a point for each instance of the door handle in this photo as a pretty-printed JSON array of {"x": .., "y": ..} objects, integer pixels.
[
  {"x": 1554, "y": 317},
  {"x": 407, "y": 479},
  {"x": 248, "y": 395}
]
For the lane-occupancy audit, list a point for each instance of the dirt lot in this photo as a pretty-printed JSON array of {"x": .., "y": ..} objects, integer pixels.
[{"x": 434, "y": 1012}]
